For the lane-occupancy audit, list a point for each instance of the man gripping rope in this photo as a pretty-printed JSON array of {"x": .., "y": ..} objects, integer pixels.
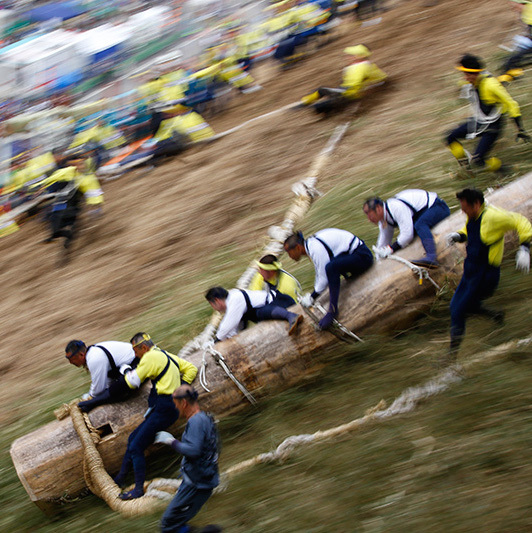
[
  {"x": 484, "y": 233},
  {"x": 334, "y": 253},
  {"x": 106, "y": 363},
  {"x": 166, "y": 372},
  {"x": 241, "y": 306},
  {"x": 360, "y": 74},
  {"x": 489, "y": 101},
  {"x": 414, "y": 212}
]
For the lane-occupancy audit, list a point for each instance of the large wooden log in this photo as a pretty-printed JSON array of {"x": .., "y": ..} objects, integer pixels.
[{"x": 264, "y": 358}]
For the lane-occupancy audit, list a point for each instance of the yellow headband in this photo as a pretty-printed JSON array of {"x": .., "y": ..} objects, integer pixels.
[
  {"x": 276, "y": 265},
  {"x": 464, "y": 69},
  {"x": 145, "y": 337},
  {"x": 359, "y": 50}
]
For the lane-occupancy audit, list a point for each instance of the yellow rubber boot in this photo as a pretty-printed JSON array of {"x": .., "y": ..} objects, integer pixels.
[
  {"x": 493, "y": 164},
  {"x": 310, "y": 98},
  {"x": 457, "y": 150}
]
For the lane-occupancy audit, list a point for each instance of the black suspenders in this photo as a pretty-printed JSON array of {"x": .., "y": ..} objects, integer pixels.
[{"x": 330, "y": 252}]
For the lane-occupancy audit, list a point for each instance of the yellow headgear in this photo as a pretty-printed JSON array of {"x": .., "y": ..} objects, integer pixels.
[
  {"x": 145, "y": 337},
  {"x": 359, "y": 50},
  {"x": 276, "y": 265}
]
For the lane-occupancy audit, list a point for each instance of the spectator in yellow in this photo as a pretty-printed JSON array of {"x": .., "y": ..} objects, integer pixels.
[{"x": 360, "y": 74}]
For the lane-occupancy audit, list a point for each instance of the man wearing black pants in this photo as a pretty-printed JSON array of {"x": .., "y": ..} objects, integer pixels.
[
  {"x": 334, "y": 253},
  {"x": 484, "y": 233}
]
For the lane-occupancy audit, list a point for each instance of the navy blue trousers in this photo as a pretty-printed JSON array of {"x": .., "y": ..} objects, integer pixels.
[
  {"x": 427, "y": 220},
  {"x": 163, "y": 415},
  {"x": 348, "y": 265},
  {"x": 286, "y": 48},
  {"x": 185, "y": 505},
  {"x": 478, "y": 283},
  {"x": 277, "y": 309},
  {"x": 486, "y": 142}
]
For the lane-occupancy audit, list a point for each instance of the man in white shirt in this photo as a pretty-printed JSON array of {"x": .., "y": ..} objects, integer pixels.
[
  {"x": 334, "y": 253},
  {"x": 106, "y": 363},
  {"x": 414, "y": 212},
  {"x": 240, "y": 306}
]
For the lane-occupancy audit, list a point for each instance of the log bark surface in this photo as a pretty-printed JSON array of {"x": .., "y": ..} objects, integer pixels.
[{"x": 264, "y": 358}]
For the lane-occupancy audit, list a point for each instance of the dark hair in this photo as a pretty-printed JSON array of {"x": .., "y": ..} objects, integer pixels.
[
  {"x": 472, "y": 62},
  {"x": 75, "y": 346},
  {"x": 471, "y": 196},
  {"x": 294, "y": 239},
  {"x": 141, "y": 338},
  {"x": 187, "y": 392},
  {"x": 372, "y": 203},
  {"x": 269, "y": 259},
  {"x": 215, "y": 293}
]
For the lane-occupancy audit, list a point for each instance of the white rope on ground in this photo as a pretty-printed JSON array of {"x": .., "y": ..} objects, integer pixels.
[
  {"x": 115, "y": 172},
  {"x": 159, "y": 491},
  {"x": 404, "y": 403},
  {"x": 423, "y": 273}
]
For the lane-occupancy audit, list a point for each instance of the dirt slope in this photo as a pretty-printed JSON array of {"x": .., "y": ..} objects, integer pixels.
[{"x": 170, "y": 221}]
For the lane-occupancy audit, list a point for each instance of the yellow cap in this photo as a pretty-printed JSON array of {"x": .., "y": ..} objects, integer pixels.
[
  {"x": 276, "y": 265},
  {"x": 359, "y": 50}
]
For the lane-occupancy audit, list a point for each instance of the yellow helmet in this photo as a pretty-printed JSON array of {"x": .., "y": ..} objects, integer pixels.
[{"x": 359, "y": 50}]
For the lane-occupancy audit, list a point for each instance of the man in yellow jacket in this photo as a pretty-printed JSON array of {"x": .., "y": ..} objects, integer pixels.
[
  {"x": 360, "y": 74},
  {"x": 271, "y": 277},
  {"x": 167, "y": 372},
  {"x": 511, "y": 67},
  {"x": 489, "y": 101},
  {"x": 484, "y": 233}
]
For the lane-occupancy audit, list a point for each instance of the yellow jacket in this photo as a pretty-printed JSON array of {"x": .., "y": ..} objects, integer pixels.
[
  {"x": 526, "y": 14},
  {"x": 190, "y": 124},
  {"x": 494, "y": 224},
  {"x": 107, "y": 136},
  {"x": 88, "y": 183},
  {"x": 35, "y": 169},
  {"x": 153, "y": 362},
  {"x": 285, "y": 284},
  {"x": 358, "y": 76},
  {"x": 491, "y": 92}
]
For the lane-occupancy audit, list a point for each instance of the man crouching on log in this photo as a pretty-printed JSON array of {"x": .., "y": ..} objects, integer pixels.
[
  {"x": 484, "y": 234},
  {"x": 240, "y": 306},
  {"x": 414, "y": 212},
  {"x": 334, "y": 253},
  {"x": 164, "y": 370}
]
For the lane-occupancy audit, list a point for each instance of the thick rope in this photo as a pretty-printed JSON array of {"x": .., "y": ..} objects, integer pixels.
[
  {"x": 159, "y": 491},
  {"x": 305, "y": 192},
  {"x": 404, "y": 403}
]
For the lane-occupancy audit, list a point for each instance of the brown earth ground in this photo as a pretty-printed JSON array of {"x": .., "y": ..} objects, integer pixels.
[{"x": 168, "y": 225}]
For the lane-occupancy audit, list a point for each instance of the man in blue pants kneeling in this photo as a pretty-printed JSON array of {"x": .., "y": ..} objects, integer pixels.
[{"x": 199, "y": 468}]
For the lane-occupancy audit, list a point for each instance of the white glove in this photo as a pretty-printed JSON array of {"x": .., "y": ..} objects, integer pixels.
[
  {"x": 382, "y": 252},
  {"x": 125, "y": 368},
  {"x": 86, "y": 396},
  {"x": 451, "y": 238},
  {"x": 164, "y": 437},
  {"x": 522, "y": 259},
  {"x": 307, "y": 300}
]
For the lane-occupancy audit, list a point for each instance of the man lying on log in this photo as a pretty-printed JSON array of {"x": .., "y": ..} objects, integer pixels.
[
  {"x": 106, "y": 363},
  {"x": 167, "y": 372},
  {"x": 360, "y": 74},
  {"x": 484, "y": 233},
  {"x": 240, "y": 306},
  {"x": 334, "y": 253},
  {"x": 414, "y": 212}
]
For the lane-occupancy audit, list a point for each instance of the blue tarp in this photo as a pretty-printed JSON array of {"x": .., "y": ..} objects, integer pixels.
[{"x": 60, "y": 10}]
